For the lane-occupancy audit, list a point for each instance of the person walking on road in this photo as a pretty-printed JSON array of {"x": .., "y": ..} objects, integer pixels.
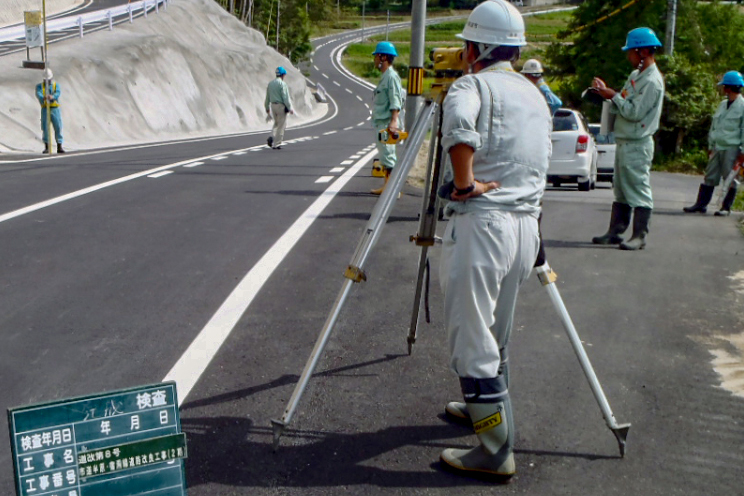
[
  {"x": 533, "y": 71},
  {"x": 47, "y": 92},
  {"x": 388, "y": 100},
  {"x": 638, "y": 110},
  {"x": 500, "y": 163},
  {"x": 278, "y": 104},
  {"x": 725, "y": 145}
]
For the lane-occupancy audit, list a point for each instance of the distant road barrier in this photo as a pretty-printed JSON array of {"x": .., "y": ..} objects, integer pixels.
[{"x": 120, "y": 13}]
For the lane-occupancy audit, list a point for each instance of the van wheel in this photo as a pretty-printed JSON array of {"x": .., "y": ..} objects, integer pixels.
[{"x": 586, "y": 185}]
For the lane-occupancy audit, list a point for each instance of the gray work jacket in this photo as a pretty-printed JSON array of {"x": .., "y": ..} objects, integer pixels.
[{"x": 503, "y": 117}]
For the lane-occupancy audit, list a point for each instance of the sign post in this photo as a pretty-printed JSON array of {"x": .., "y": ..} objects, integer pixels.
[
  {"x": 122, "y": 443},
  {"x": 34, "y": 39}
]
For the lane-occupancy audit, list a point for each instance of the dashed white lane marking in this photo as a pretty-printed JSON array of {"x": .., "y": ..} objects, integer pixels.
[
  {"x": 368, "y": 118},
  {"x": 336, "y": 170},
  {"x": 329, "y": 132},
  {"x": 196, "y": 358},
  {"x": 222, "y": 157},
  {"x": 240, "y": 153},
  {"x": 349, "y": 91},
  {"x": 348, "y": 128},
  {"x": 160, "y": 174},
  {"x": 366, "y": 105},
  {"x": 355, "y": 156},
  {"x": 337, "y": 84},
  {"x": 194, "y": 164},
  {"x": 359, "y": 98},
  {"x": 347, "y": 162},
  {"x": 324, "y": 179},
  {"x": 316, "y": 67},
  {"x": 325, "y": 76},
  {"x": 361, "y": 123}
]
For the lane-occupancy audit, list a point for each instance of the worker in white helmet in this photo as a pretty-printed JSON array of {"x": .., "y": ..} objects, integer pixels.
[
  {"x": 496, "y": 130},
  {"x": 48, "y": 92},
  {"x": 533, "y": 70}
]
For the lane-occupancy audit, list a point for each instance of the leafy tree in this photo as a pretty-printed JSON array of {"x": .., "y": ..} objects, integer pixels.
[{"x": 708, "y": 42}]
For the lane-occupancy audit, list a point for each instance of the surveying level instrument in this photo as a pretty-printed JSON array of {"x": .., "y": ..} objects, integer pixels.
[
  {"x": 391, "y": 138},
  {"x": 448, "y": 64}
]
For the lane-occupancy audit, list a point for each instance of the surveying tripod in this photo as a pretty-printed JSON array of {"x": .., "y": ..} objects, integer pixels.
[{"x": 430, "y": 117}]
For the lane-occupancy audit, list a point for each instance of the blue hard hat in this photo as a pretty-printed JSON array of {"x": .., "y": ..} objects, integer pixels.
[
  {"x": 385, "y": 48},
  {"x": 732, "y": 78},
  {"x": 641, "y": 38},
  {"x": 280, "y": 71}
]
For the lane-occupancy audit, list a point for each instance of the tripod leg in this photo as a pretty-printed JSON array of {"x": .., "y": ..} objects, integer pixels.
[{"x": 547, "y": 278}]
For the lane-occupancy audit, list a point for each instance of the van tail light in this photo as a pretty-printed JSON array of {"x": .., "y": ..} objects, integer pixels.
[{"x": 582, "y": 143}]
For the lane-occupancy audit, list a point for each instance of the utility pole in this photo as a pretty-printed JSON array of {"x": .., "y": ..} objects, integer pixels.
[
  {"x": 670, "y": 27},
  {"x": 278, "y": 4},
  {"x": 415, "y": 89},
  {"x": 364, "y": 5}
]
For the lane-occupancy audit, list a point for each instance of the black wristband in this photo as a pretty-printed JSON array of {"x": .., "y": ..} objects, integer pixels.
[{"x": 465, "y": 191}]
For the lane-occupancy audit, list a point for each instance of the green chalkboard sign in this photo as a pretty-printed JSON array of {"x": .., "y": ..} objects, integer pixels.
[{"x": 121, "y": 443}]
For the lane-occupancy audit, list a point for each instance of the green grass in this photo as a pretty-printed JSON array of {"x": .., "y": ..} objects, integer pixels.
[{"x": 358, "y": 57}]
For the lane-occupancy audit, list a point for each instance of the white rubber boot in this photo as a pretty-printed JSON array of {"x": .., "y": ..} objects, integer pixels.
[{"x": 494, "y": 457}]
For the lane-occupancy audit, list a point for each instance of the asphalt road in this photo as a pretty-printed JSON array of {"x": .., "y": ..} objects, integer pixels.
[{"x": 109, "y": 286}]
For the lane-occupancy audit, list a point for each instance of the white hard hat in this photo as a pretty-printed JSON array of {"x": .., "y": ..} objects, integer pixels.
[
  {"x": 532, "y": 66},
  {"x": 48, "y": 74},
  {"x": 495, "y": 22}
]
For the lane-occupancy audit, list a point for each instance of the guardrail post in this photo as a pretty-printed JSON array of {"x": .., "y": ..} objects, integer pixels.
[
  {"x": 129, "y": 10},
  {"x": 110, "y": 20},
  {"x": 80, "y": 25}
]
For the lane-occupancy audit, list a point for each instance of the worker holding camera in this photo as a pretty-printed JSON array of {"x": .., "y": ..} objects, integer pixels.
[
  {"x": 388, "y": 101},
  {"x": 491, "y": 240}
]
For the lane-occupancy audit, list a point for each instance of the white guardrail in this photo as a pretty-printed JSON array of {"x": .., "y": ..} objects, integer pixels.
[{"x": 18, "y": 32}]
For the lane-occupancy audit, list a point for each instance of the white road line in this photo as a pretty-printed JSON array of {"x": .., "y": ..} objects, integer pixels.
[
  {"x": 348, "y": 128},
  {"x": 325, "y": 76},
  {"x": 194, "y": 164},
  {"x": 347, "y": 162},
  {"x": 324, "y": 179},
  {"x": 316, "y": 67},
  {"x": 196, "y": 359},
  {"x": 238, "y": 153},
  {"x": 337, "y": 84},
  {"x": 361, "y": 123},
  {"x": 359, "y": 98},
  {"x": 94, "y": 188},
  {"x": 368, "y": 118},
  {"x": 336, "y": 170},
  {"x": 366, "y": 105},
  {"x": 329, "y": 132},
  {"x": 349, "y": 91},
  {"x": 160, "y": 174},
  {"x": 221, "y": 157}
]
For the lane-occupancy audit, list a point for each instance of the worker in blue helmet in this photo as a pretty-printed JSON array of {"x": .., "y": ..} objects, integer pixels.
[
  {"x": 638, "y": 111},
  {"x": 725, "y": 145},
  {"x": 278, "y": 104},
  {"x": 388, "y": 102}
]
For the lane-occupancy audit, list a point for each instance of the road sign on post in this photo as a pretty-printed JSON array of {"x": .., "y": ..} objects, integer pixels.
[{"x": 122, "y": 443}]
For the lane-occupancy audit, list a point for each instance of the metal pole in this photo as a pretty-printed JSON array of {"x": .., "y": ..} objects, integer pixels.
[
  {"x": 547, "y": 278},
  {"x": 278, "y": 4},
  {"x": 387, "y": 27},
  {"x": 670, "y": 27},
  {"x": 355, "y": 270},
  {"x": 414, "y": 99},
  {"x": 46, "y": 85},
  {"x": 364, "y": 4}
]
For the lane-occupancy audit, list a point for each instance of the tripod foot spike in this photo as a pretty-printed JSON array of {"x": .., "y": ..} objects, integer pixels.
[
  {"x": 278, "y": 427},
  {"x": 621, "y": 433}
]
